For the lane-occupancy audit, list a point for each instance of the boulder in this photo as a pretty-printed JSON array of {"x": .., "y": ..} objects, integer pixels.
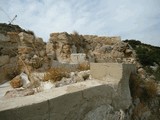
[
  {"x": 4, "y": 60},
  {"x": 117, "y": 54},
  {"x": 128, "y": 51}
]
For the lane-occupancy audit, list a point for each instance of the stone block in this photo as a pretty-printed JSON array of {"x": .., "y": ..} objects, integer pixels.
[
  {"x": 117, "y": 75},
  {"x": 77, "y": 58},
  {"x": 101, "y": 71},
  {"x": 25, "y": 108}
]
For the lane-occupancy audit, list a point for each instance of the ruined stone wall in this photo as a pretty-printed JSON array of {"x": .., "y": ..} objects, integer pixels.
[
  {"x": 19, "y": 51},
  {"x": 8, "y": 54},
  {"x": 63, "y": 47}
]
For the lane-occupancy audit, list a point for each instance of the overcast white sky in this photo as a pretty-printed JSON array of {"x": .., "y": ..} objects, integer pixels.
[{"x": 137, "y": 19}]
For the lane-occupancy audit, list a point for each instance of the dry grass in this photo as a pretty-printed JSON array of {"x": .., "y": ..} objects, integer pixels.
[
  {"x": 83, "y": 66},
  {"x": 151, "y": 89},
  {"x": 135, "y": 86},
  {"x": 142, "y": 89},
  {"x": 139, "y": 110},
  {"x": 55, "y": 74}
]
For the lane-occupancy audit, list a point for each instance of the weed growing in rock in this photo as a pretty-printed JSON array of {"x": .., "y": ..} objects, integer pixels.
[{"x": 55, "y": 74}]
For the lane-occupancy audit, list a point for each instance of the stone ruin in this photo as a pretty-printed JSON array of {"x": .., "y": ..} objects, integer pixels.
[
  {"x": 101, "y": 91},
  {"x": 74, "y": 48},
  {"x": 19, "y": 50},
  {"x": 93, "y": 99}
]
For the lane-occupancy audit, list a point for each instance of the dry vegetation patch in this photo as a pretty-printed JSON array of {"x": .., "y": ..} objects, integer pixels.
[
  {"x": 142, "y": 89},
  {"x": 55, "y": 74}
]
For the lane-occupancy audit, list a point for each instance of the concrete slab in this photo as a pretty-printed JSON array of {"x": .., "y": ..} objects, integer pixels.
[
  {"x": 4, "y": 88},
  {"x": 75, "y": 101}
]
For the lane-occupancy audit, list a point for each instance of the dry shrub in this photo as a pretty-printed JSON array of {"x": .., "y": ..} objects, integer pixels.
[
  {"x": 151, "y": 89},
  {"x": 83, "y": 66},
  {"x": 142, "y": 89},
  {"x": 16, "y": 82},
  {"x": 55, "y": 74},
  {"x": 139, "y": 110},
  {"x": 134, "y": 84}
]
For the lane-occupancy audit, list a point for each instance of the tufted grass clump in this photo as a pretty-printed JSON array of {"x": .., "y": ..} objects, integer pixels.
[
  {"x": 55, "y": 74},
  {"x": 83, "y": 66}
]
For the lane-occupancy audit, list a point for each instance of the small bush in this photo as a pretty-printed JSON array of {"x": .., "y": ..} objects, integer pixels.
[
  {"x": 142, "y": 89},
  {"x": 55, "y": 74},
  {"x": 150, "y": 89},
  {"x": 135, "y": 86},
  {"x": 30, "y": 32},
  {"x": 83, "y": 66}
]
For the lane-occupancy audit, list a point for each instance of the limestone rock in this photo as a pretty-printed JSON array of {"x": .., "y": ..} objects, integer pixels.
[
  {"x": 63, "y": 36},
  {"x": 4, "y": 60},
  {"x": 104, "y": 112},
  {"x": 42, "y": 53},
  {"x": 19, "y": 93},
  {"x": 37, "y": 76},
  {"x": 24, "y": 79},
  {"x": 24, "y": 49},
  {"x": 4, "y": 38},
  {"x": 26, "y": 37},
  {"x": 84, "y": 74},
  {"x": 120, "y": 46},
  {"x": 49, "y": 48},
  {"x": 78, "y": 58},
  {"x": 46, "y": 85}
]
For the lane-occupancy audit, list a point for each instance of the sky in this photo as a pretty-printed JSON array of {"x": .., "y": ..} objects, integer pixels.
[{"x": 130, "y": 19}]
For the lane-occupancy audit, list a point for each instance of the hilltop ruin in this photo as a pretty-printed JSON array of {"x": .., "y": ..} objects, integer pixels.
[{"x": 70, "y": 77}]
